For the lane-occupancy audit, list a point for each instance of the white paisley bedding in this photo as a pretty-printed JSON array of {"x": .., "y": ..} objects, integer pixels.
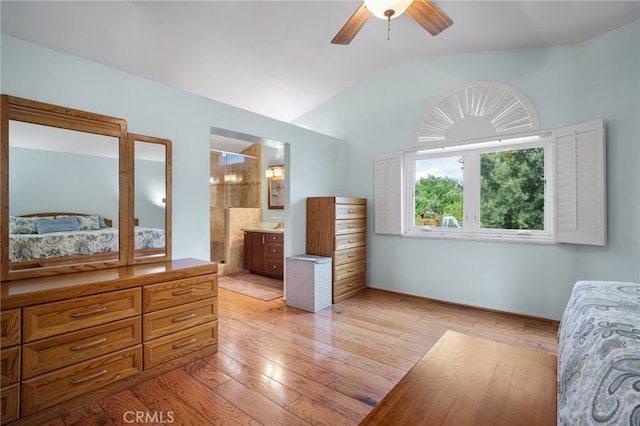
[
  {"x": 599, "y": 355},
  {"x": 28, "y": 247}
]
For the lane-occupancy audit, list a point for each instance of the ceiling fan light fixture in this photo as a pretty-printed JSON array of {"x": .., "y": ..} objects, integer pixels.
[{"x": 387, "y": 9}]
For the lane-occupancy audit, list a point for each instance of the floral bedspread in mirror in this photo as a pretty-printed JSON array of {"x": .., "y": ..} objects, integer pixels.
[{"x": 61, "y": 242}]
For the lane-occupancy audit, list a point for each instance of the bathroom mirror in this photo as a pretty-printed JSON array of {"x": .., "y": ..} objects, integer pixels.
[
  {"x": 151, "y": 199},
  {"x": 275, "y": 186}
]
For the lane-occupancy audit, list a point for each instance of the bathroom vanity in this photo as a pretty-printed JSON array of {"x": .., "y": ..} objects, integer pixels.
[{"x": 264, "y": 252}]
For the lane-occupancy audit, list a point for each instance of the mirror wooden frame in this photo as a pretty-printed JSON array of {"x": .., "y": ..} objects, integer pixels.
[
  {"x": 29, "y": 111},
  {"x": 132, "y": 258},
  {"x": 275, "y": 190}
]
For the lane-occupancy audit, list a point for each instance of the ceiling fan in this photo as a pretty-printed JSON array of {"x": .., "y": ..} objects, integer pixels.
[{"x": 424, "y": 12}]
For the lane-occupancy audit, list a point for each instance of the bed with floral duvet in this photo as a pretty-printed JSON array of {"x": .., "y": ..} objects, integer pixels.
[{"x": 599, "y": 355}]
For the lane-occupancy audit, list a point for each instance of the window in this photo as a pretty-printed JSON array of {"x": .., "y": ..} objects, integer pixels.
[
  {"x": 494, "y": 189},
  {"x": 549, "y": 187}
]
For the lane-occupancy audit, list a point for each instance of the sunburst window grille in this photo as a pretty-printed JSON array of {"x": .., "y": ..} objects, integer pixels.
[{"x": 475, "y": 111}]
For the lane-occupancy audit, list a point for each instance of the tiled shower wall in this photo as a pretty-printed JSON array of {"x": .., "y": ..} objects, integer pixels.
[{"x": 235, "y": 204}]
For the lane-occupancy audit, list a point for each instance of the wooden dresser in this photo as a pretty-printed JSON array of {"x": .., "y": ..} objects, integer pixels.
[
  {"x": 264, "y": 253},
  {"x": 337, "y": 228},
  {"x": 68, "y": 340}
]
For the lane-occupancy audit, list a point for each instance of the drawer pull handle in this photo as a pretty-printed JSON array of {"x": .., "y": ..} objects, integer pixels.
[
  {"x": 351, "y": 284},
  {"x": 86, "y": 313},
  {"x": 184, "y": 318},
  {"x": 275, "y": 250},
  {"x": 350, "y": 211},
  {"x": 90, "y": 377},
  {"x": 351, "y": 256},
  {"x": 89, "y": 344},
  {"x": 351, "y": 270},
  {"x": 181, "y": 292},
  {"x": 350, "y": 241},
  {"x": 350, "y": 226},
  {"x": 188, "y": 342},
  {"x": 275, "y": 266}
]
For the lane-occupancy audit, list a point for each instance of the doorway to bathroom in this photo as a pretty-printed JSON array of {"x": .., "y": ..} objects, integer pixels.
[{"x": 240, "y": 195}]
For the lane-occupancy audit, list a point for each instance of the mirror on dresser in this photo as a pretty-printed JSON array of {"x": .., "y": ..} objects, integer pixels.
[
  {"x": 54, "y": 153},
  {"x": 61, "y": 174},
  {"x": 68, "y": 190},
  {"x": 151, "y": 199}
]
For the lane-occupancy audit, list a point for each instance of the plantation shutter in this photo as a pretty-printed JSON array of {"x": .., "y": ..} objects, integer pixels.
[
  {"x": 580, "y": 184},
  {"x": 388, "y": 194}
]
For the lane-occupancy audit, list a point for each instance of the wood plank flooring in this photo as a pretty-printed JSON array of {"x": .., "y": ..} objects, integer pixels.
[{"x": 278, "y": 365}]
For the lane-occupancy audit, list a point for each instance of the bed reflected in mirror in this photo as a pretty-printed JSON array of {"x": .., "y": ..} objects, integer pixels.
[
  {"x": 152, "y": 198},
  {"x": 63, "y": 186},
  {"x": 64, "y": 191},
  {"x": 78, "y": 192}
]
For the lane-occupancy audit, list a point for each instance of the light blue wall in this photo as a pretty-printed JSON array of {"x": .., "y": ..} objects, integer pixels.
[
  {"x": 317, "y": 163},
  {"x": 38, "y": 178},
  {"x": 51, "y": 181},
  {"x": 596, "y": 79}
]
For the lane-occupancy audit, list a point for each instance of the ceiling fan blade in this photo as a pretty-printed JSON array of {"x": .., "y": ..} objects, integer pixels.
[
  {"x": 353, "y": 25},
  {"x": 429, "y": 16}
]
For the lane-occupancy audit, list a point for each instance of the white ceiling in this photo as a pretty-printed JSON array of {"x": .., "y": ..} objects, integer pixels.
[{"x": 275, "y": 57}]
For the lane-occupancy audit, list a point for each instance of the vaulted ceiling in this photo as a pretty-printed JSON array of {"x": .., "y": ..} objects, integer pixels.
[{"x": 275, "y": 57}]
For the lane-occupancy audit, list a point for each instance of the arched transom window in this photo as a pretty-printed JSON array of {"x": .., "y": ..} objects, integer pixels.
[{"x": 476, "y": 110}]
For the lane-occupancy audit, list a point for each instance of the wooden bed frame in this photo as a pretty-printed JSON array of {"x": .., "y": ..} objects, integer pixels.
[{"x": 108, "y": 222}]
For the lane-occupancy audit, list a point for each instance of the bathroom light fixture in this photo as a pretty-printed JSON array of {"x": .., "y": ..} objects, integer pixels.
[
  {"x": 232, "y": 178},
  {"x": 274, "y": 171}
]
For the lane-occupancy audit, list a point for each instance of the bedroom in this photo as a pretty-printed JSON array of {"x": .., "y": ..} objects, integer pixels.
[{"x": 567, "y": 84}]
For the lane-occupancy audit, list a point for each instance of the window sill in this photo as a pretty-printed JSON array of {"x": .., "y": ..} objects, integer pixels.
[{"x": 480, "y": 236}]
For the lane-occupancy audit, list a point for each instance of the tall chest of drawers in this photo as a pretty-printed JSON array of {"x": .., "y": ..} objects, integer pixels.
[
  {"x": 73, "y": 339},
  {"x": 337, "y": 228}
]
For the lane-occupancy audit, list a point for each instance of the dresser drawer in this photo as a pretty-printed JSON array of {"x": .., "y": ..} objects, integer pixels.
[
  {"x": 173, "y": 293},
  {"x": 60, "y": 351},
  {"x": 178, "y": 318},
  {"x": 274, "y": 238},
  {"x": 70, "y": 315},
  {"x": 349, "y": 270},
  {"x": 350, "y": 226},
  {"x": 351, "y": 211},
  {"x": 348, "y": 241},
  {"x": 53, "y": 388},
  {"x": 275, "y": 267},
  {"x": 173, "y": 346},
  {"x": 9, "y": 365},
  {"x": 9, "y": 328},
  {"x": 274, "y": 251},
  {"x": 9, "y": 403},
  {"x": 349, "y": 285},
  {"x": 349, "y": 255}
]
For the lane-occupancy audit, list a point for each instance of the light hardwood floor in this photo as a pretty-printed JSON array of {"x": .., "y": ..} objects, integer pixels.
[{"x": 283, "y": 366}]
